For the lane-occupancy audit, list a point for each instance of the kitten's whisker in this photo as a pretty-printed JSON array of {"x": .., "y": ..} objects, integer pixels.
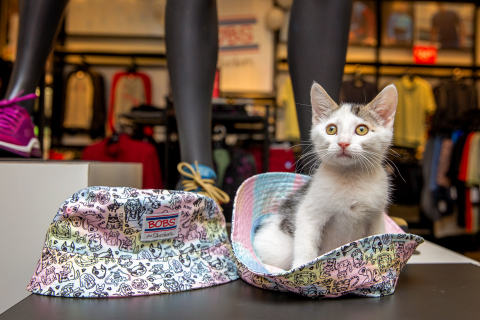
[
  {"x": 368, "y": 164},
  {"x": 301, "y": 161},
  {"x": 309, "y": 162},
  {"x": 301, "y": 144},
  {"x": 393, "y": 152},
  {"x": 304, "y": 157},
  {"x": 388, "y": 161},
  {"x": 371, "y": 163},
  {"x": 303, "y": 104}
]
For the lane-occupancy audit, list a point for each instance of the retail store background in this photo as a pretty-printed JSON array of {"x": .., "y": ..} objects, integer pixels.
[{"x": 112, "y": 69}]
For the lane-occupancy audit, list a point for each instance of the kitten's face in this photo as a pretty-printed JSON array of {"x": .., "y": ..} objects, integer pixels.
[{"x": 352, "y": 135}]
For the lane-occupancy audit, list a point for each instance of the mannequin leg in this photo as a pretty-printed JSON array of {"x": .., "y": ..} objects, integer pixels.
[
  {"x": 317, "y": 47},
  {"x": 39, "y": 20},
  {"x": 191, "y": 29}
]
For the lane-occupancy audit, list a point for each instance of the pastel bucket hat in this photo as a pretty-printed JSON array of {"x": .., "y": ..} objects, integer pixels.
[
  {"x": 367, "y": 267},
  {"x": 113, "y": 242}
]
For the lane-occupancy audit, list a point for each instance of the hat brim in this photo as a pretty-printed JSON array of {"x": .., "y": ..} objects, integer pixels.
[
  {"x": 366, "y": 267},
  {"x": 74, "y": 275}
]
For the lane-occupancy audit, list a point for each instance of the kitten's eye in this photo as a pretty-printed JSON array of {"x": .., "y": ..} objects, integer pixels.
[
  {"x": 361, "y": 130},
  {"x": 331, "y": 129}
]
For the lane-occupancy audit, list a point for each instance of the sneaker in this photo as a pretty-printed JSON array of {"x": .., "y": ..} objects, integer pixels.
[
  {"x": 201, "y": 179},
  {"x": 17, "y": 132}
]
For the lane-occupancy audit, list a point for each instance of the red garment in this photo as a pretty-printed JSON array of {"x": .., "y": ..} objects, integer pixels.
[
  {"x": 129, "y": 150},
  {"x": 462, "y": 172},
  {"x": 281, "y": 160}
]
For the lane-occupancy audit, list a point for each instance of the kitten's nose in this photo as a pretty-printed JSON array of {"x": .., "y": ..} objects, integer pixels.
[{"x": 343, "y": 145}]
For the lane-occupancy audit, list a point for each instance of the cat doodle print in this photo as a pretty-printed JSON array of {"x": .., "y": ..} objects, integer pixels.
[{"x": 93, "y": 247}]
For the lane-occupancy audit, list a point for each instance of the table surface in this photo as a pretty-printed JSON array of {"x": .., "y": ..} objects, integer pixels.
[{"x": 424, "y": 291}]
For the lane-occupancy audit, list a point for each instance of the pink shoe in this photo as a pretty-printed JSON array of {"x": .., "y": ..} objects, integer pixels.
[{"x": 16, "y": 129}]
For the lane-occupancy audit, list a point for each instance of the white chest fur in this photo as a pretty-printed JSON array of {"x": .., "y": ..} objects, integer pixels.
[{"x": 353, "y": 194}]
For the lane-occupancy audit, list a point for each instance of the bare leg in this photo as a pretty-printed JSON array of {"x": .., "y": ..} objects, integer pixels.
[
  {"x": 317, "y": 47},
  {"x": 191, "y": 28},
  {"x": 39, "y": 20}
]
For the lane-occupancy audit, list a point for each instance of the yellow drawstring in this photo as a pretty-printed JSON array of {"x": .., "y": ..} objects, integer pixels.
[{"x": 208, "y": 189}]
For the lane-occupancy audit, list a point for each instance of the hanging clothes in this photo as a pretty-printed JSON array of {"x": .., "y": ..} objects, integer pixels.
[
  {"x": 415, "y": 102},
  {"x": 427, "y": 203},
  {"x": 454, "y": 98},
  {"x": 129, "y": 89},
  {"x": 128, "y": 150},
  {"x": 222, "y": 159},
  {"x": 472, "y": 177},
  {"x": 241, "y": 168},
  {"x": 444, "y": 163},
  {"x": 406, "y": 176},
  {"x": 84, "y": 107},
  {"x": 286, "y": 100},
  {"x": 353, "y": 92}
]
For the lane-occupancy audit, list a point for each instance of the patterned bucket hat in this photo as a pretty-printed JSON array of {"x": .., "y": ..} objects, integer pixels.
[
  {"x": 108, "y": 242},
  {"x": 366, "y": 267}
]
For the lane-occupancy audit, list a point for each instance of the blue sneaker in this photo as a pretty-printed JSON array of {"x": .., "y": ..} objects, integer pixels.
[{"x": 201, "y": 179}]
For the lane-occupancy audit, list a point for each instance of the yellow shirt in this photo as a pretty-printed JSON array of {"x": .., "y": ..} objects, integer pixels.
[
  {"x": 415, "y": 101},
  {"x": 286, "y": 100}
]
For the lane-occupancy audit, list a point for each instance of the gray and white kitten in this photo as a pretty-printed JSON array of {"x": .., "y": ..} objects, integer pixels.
[{"x": 347, "y": 195}]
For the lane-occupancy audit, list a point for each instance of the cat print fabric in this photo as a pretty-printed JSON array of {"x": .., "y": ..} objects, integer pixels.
[
  {"x": 366, "y": 267},
  {"x": 93, "y": 247}
]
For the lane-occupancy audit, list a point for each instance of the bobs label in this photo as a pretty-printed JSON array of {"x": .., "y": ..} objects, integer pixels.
[{"x": 159, "y": 226}]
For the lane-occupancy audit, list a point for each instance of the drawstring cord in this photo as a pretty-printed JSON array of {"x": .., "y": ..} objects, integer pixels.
[{"x": 196, "y": 181}]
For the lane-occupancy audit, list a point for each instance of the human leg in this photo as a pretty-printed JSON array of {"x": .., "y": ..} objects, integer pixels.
[{"x": 39, "y": 21}]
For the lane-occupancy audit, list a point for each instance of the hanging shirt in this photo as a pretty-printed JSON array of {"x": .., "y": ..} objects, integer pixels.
[
  {"x": 84, "y": 107},
  {"x": 462, "y": 173},
  {"x": 285, "y": 99},
  {"x": 78, "y": 101},
  {"x": 129, "y": 89},
  {"x": 472, "y": 177},
  {"x": 454, "y": 99},
  {"x": 352, "y": 93},
  {"x": 415, "y": 101},
  {"x": 444, "y": 163}
]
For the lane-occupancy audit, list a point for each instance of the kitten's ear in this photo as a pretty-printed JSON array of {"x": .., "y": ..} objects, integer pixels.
[
  {"x": 322, "y": 104},
  {"x": 384, "y": 106}
]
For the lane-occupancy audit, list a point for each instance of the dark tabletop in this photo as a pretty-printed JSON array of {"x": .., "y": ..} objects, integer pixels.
[{"x": 424, "y": 291}]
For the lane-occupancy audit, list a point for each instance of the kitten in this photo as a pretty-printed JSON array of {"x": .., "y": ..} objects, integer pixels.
[{"x": 346, "y": 197}]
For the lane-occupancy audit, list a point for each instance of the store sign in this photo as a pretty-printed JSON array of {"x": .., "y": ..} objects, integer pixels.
[
  {"x": 236, "y": 34},
  {"x": 425, "y": 54},
  {"x": 246, "y": 46}
]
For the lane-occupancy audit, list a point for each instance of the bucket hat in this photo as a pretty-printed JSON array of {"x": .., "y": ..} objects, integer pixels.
[
  {"x": 110, "y": 242},
  {"x": 366, "y": 267}
]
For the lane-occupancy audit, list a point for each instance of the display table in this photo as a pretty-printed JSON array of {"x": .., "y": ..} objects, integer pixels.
[{"x": 424, "y": 291}]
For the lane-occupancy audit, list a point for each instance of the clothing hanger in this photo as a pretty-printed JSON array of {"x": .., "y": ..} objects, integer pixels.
[
  {"x": 457, "y": 74},
  {"x": 411, "y": 75},
  {"x": 357, "y": 78},
  {"x": 219, "y": 135},
  {"x": 118, "y": 130},
  {"x": 82, "y": 68},
  {"x": 133, "y": 68}
]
